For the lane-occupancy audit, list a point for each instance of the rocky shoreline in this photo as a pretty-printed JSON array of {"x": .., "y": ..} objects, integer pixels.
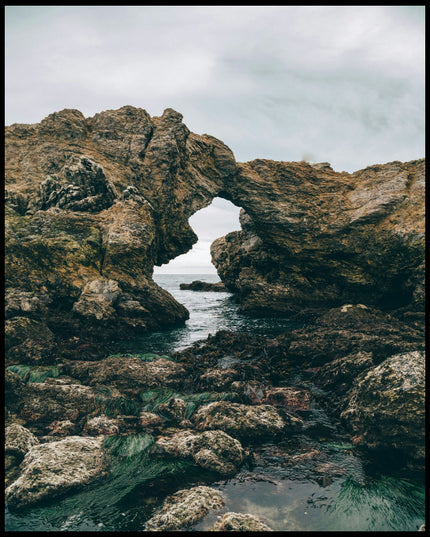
[{"x": 92, "y": 205}]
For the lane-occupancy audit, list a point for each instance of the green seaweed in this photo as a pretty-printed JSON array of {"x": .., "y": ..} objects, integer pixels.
[
  {"x": 152, "y": 399},
  {"x": 387, "y": 503},
  {"x": 30, "y": 373}
]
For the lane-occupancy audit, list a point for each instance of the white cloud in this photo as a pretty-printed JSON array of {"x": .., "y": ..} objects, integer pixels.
[{"x": 344, "y": 84}]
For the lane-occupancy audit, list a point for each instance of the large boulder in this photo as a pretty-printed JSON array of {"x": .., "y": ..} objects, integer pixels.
[
  {"x": 386, "y": 407},
  {"x": 243, "y": 421},
  {"x": 52, "y": 469}
]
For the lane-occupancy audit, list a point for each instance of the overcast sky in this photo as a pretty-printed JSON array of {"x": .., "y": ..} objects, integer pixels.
[{"x": 342, "y": 84}]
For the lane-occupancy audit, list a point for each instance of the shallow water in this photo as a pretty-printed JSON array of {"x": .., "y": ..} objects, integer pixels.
[
  {"x": 209, "y": 312},
  {"x": 303, "y": 483}
]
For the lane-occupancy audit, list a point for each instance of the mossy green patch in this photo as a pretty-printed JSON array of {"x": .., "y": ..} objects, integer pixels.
[{"x": 34, "y": 373}]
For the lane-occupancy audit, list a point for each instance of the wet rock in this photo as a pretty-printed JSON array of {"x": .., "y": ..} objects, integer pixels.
[
  {"x": 218, "y": 379},
  {"x": 185, "y": 508},
  {"x": 52, "y": 469},
  {"x": 129, "y": 374},
  {"x": 18, "y": 440},
  {"x": 386, "y": 407},
  {"x": 198, "y": 285},
  {"x": 13, "y": 386},
  {"x": 243, "y": 421},
  {"x": 213, "y": 450},
  {"x": 346, "y": 330},
  {"x": 339, "y": 374},
  {"x": 285, "y": 397},
  {"x": 240, "y": 522}
]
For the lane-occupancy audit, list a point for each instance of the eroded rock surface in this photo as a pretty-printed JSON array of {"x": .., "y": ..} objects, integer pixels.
[{"x": 51, "y": 469}]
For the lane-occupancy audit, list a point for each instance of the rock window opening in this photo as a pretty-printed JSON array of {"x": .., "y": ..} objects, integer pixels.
[{"x": 210, "y": 223}]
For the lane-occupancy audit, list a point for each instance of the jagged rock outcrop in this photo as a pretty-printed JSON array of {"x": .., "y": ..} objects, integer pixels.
[{"x": 92, "y": 204}]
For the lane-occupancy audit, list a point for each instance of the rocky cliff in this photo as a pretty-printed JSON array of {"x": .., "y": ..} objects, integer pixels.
[{"x": 92, "y": 204}]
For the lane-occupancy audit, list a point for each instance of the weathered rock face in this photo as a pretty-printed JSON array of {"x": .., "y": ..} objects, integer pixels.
[
  {"x": 387, "y": 405},
  {"x": 314, "y": 237},
  {"x": 92, "y": 204}
]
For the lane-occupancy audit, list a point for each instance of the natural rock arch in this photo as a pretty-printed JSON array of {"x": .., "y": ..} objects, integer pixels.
[{"x": 92, "y": 204}]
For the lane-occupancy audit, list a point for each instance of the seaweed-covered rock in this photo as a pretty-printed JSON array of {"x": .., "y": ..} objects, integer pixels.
[
  {"x": 54, "y": 468},
  {"x": 213, "y": 450},
  {"x": 240, "y": 522},
  {"x": 243, "y": 421},
  {"x": 386, "y": 407},
  {"x": 174, "y": 409},
  {"x": 185, "y": 508},
  {"x": 339, "y": 374}
]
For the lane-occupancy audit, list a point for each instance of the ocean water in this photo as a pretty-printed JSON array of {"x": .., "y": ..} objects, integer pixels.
[
  {"x": 209, "y": 312},
  {"x": 299, "y": 484}
]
